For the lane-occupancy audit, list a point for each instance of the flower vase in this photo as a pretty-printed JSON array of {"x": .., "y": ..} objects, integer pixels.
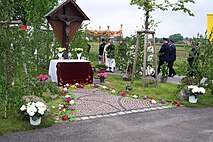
[
  {"x": 192, "y": 99},
  {"x": 60, "y": 56},
  {"x": 102, "y": 79},
  {"x": 79, "y": 55},
  {"x": 35, "y": 122}
]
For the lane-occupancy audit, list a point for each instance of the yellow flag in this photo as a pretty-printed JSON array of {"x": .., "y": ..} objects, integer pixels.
[{"x": 210, "y": 25}]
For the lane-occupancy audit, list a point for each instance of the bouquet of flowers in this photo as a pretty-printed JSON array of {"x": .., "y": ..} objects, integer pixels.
[
  {"x": 34, "y": 109},
  {"x": 104, "y": 75},
  {"x": 195, "y": 90},
  {"x": 61, "y": 49},
  {"x": 78, "y": 50}
]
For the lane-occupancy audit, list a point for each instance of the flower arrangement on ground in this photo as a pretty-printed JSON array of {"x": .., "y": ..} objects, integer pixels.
[
  {"x": 127, "y": 77},
  {"x": 78, "y": 50},
  {"x": 102, "y": 76},
  {"x": 66, "y": 107},
  {"x": 35, "y": 110},
  {"x": 194, "y": 90}
]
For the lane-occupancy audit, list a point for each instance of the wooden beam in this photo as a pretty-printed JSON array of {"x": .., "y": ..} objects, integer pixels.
[
  {"x": 135, "y": 59},
  {"x": 146, "y": 32}
]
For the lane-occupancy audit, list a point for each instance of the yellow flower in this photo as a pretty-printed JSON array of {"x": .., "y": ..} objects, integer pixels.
[{"x": 60, "y": 49}]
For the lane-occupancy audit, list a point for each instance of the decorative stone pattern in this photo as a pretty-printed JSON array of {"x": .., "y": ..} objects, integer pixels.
[{"x": 93, "y": 103}]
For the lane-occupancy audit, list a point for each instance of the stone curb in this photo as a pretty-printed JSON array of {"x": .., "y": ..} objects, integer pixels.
[{"x": 123, "y": 113}]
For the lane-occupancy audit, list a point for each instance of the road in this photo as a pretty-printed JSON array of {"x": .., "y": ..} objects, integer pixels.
[{"x": 176, "y": 124}]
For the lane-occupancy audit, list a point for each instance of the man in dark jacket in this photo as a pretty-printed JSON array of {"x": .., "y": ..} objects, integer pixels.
[
  {"x": 164, "y": 54},
  {"x": 191, "y": 60},
  {"x": 101, "y": 50},
  {"x": 172, "y": 58}
]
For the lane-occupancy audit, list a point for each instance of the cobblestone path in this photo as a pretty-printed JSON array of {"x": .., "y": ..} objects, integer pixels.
[{"x": 93, "y": 102}]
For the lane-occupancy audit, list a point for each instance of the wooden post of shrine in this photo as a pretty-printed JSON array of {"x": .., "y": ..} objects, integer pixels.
[
  {"x": 65, "y": 20},
  {"x": 145, "y": 55}
]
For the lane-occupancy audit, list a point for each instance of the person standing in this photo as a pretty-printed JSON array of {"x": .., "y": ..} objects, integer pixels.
[
  {"x": 172, "y": 58},
  {"x": 164, "y": 54},
  {"x": 109, "y": 51},
  {"x": 101, "y": 50},
  {"x": 191, "y": 60}
]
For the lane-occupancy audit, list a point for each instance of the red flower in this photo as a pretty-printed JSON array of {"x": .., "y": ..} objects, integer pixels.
[
  {"x": 178, "y": 104},
  {"x": 12, "y": 68},
  {"x": 64, "y": 118},
  {"x": 68, "y": 100},
  {"x": 86, "y": 83},
  {"x": 123, "y": 94},
  {"x": 129, "y": 73},
  {"x": 24, "y": 27}
]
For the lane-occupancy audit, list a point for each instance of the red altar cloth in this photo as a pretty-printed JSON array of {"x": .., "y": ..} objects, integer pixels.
[{"x": 74, "y": 72}]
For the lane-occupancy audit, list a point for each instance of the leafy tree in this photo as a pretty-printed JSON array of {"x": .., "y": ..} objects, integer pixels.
[
  {"x": 19, "y": 66},
  {"x": 151, "y": 5},
  {"x": 176, "y": 37}
]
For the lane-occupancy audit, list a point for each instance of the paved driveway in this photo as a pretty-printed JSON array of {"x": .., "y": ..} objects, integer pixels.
[{"x": 177, "y": 125}]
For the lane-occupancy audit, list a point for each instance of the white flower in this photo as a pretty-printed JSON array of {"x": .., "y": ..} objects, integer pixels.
[
  {"x": 104, "y": 87},
  {"x": 41, "y": 111},
  {"x": 113, "y": 91},
  {"x": 67, "y": 85},
  {"x": 135, "y": 96},
  {"x": 191, "y": 87},
  {"x": 153, "y": 101},
  {"x": 31, "y": 110},
  {"x": 202, "y": 90},
  {"x": 23, "y": 108},
  {"x": 195, "y": 90},
  {"x": 65, "y": 89},
  {"x": 72, "y": 102},
  {"x": 67, "y": 96}
]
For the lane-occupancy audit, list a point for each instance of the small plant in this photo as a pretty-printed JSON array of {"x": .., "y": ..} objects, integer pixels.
[
  {"x": 128, "y": 87},
  {"x": 165, "y": 70}
]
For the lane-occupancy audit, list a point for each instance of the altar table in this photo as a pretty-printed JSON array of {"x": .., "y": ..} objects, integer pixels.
[{"x": 70, "y": 71}]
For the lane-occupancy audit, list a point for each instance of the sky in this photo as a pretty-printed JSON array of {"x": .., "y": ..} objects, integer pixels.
[{"x": 116, "y": 12}]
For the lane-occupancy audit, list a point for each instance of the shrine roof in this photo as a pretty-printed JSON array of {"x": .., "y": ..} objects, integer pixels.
[{"x": 59, "y": 6}]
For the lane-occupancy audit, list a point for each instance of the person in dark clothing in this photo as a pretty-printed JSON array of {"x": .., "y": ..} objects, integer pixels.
[
  {"x": 172, "y": 58},
  {"x": 164, "y": 54},
  {"x": 109, "y": 51},
  {"x": 101, "y": 50},
  {"x": 191, "y": 60}
]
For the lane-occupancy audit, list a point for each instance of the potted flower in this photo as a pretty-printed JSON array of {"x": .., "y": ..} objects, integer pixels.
[
  {"x": 102, "y": 76},
  {"x": 34, "y": 110},
  {"x": 79, "y": 52},
  {"x": 127, "y": 77},
  {"x": 60, "y": 52},
  {"x": 152, "y": 83},
  {"x": 194, "y": 91},
  {"x": 165, "y": 72},
  {"x": 101, "y": 68}
]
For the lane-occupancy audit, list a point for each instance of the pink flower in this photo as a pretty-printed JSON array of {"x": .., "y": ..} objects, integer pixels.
[{"x": 102, "y": 74}]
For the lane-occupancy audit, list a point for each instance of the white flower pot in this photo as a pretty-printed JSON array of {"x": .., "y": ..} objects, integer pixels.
[
  {"x": 36, "y": 122},
  {"x": 79, "y": 56},
  {"x": 60, "y": 56},
  {"x": 192, "y": 99}
]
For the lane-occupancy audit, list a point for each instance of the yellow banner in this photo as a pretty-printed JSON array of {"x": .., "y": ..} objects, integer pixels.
[{"x": 210, "y": 25}]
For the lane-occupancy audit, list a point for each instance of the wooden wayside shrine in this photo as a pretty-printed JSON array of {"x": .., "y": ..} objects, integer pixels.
[{"x": 65, "y": 20}]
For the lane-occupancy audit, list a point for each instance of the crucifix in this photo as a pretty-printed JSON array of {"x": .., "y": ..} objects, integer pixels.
[{"x": 65, "y": 20}]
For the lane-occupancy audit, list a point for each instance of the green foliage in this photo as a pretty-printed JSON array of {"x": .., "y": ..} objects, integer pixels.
[
  {"x": 165, "y": 70},
  {"x": 176, "y": 37},
  {"x": 150, "y": 5},
  {"x": 19, "y": 64}
]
